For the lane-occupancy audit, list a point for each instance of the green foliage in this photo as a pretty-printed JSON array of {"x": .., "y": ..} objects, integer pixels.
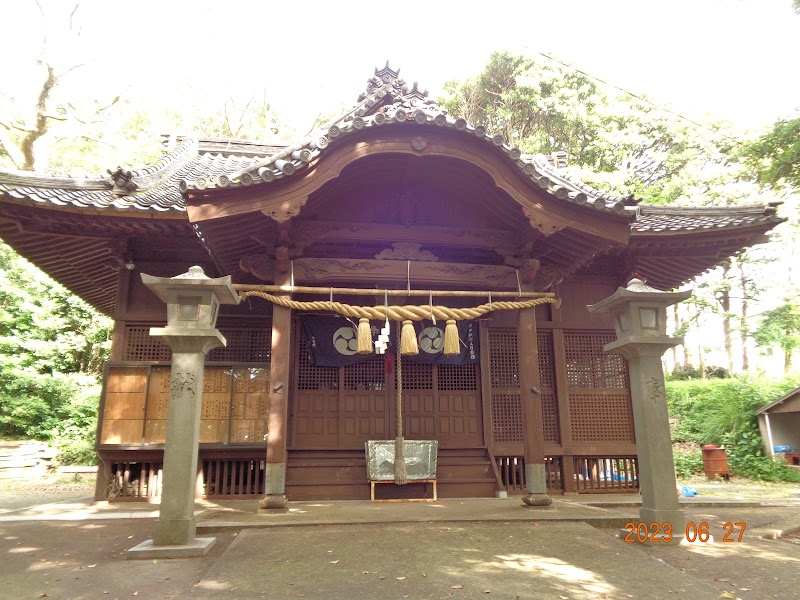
[
  {"x": 775, "y": 156},
  {"x": 722, "y": 412},
  {"x": 746, "y": 458},
  {"x": 610, "y": 140},
  {"x": 33, "y": 405},
  {"x": 708, "y": 410},
  {"x": 685, "y": 372},
  {"x": 688, "y": 462},
  {"x": 74, "y": 437},
  {"x": 52, "y": 350},
  {"x": 780, "y": 326},
  {"x": 44, "y": 329}
]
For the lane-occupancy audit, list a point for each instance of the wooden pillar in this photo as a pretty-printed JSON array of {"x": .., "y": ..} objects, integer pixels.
[
  {"x": 565, "y": 424},
  {"x": 530, "y": 397},
  {"x": 277, "y": 425}
]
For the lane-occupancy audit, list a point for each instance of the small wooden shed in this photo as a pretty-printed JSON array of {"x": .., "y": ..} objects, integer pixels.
[{"x": 779, "y": 423}]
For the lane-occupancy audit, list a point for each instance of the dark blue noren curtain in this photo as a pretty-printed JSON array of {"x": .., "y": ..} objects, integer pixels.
[{"x": 331, "y": 341}]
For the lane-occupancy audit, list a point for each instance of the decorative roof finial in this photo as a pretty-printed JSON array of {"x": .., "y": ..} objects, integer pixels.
[{"x": 121, "y": 183}]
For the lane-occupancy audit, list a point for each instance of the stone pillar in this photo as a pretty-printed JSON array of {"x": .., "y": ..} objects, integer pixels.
[
  {"x": 192, "y": 305},
  {"x": 530, "y": 397},
  {"x": 639, "y": 314},
  {"x": 277, "y": 431}
]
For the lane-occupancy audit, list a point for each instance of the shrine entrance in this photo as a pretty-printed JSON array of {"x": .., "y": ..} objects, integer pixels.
[{"x": 344, "y": 407}]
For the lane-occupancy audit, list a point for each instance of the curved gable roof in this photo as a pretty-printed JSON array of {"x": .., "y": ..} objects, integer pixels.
[{"x": 388, "y": 100}]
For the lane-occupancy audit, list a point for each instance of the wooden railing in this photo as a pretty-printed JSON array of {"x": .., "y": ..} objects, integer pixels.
[
  {"x": 216, "y": 478},
  {"x": 512, "y": 473},
  {"x": 134, "y": 481},
  {"x": 232, "y": 478},
  {"x": 593, "y": 474},
  {"x": 607, "y": 474}
]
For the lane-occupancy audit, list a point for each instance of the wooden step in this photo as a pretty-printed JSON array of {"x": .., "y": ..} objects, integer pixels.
[{"x": 342, "y": 475}]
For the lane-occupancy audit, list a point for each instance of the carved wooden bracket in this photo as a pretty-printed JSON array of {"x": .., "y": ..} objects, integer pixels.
[
  {"x": 406, "y": 251},
  {"x": 546, "y": 277},
  {"x": 541, "y": 222},
  {"x": 528, "y": 270},
  {"x": 285, "y": 210},
  {"x": 260, "y": 265}
]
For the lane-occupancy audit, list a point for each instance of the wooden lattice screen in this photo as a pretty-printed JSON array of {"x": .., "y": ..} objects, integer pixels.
[
  {"x": 506, "y": 407},
  {"x": 504, "y": 368},
  {"x": 547, "y": 381},
  {"x": 245, "y": 344},
  {"x": 599, "y": 392}
]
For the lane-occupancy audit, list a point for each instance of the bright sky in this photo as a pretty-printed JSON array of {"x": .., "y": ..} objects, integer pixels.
[{"x": 728, "y": 59}]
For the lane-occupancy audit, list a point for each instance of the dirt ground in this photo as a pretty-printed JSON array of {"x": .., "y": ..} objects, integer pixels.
[
  {"x": 754, "y": 568},
  {"x": 22, "y": 493}
]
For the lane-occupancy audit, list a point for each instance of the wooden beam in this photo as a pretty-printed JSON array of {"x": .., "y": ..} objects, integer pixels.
[{"x": 299, "y": 289}]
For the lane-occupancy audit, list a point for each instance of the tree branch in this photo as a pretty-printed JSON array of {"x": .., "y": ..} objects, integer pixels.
[{"x": 8, "y": 146}]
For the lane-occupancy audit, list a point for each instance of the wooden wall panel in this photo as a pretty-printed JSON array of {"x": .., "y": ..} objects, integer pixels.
[
  {"x": 315, "y": 420},
  {"x": 121, "y": 431},
  {"x": 576, "y": 294},
  {"x": 123, "y": 405},
  {"x": 363, "y": 417}
]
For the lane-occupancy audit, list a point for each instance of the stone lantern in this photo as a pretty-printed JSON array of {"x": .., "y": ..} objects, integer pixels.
[
  {"x": 640, "y": 320},
  {"x": 193, "y": 302}
]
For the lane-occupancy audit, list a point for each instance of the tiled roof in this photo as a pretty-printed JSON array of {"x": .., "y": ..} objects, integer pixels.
[
  {"x": 155, "y": 188},
  {"x": 389, "y": 100},
  {"x": 677, "y": 219},
  {"x": 208, "y": 164}
]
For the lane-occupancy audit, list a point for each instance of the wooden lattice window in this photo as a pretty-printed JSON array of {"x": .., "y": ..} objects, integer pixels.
[
  {"x": 599, "y": 391},
  {"x": 547, "y": 383},
  {"x": 252, "y": 344},
  {"x": 244, "y": 344},
  {"x": 417, "y": 376},
  {"x": 457, "y": 377},
  {"x": 140, "y": 346},
  {"x": 601, "y": 418},
  {"x": 506, "y": 407},
  {"x": 310, "y": 377},
  {"x": 506, "y": 418},
  {"x": 503, "y": 359},
  {"x": 588, "y": 366},
  {"x": 367, "y": 375}
]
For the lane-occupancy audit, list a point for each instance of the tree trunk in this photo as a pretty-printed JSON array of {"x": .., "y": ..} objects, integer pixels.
[
  {"x": 724, "y": 299},
  {"x": 41, "y": 124},
  {"x": 787, "y": 361},
  {"x": 701, "y": 361},
  {"x": 677, "y": 325},
  {"x": 745, "y": 334}
]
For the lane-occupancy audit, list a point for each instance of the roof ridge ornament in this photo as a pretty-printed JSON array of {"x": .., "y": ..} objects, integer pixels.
[{"x": 121, "y": 182}]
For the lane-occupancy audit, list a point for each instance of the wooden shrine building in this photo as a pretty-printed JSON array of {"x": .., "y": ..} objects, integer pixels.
[{"x": 393, "y": 195}]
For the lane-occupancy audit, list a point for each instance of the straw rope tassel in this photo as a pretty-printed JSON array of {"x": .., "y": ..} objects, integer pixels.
[
  {"x": 364, "y": 336},
  {"x": 408, "y": 339},
  {"x": 451, "y": 341},
  {"x": 400, "y": 472}
]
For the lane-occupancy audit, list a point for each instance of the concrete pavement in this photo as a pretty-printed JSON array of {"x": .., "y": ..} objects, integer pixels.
[{"x": 454, "y": 548}]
